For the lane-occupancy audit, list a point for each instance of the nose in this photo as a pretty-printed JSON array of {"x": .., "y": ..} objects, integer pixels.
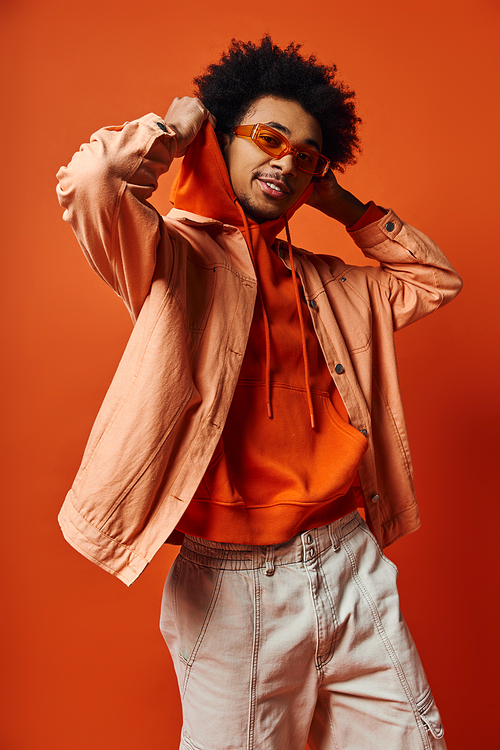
[{"x": 285, "y": 164}]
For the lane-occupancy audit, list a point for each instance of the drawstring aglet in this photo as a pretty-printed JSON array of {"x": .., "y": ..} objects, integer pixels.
[
  {"x": 269, "y": 410},
  {"x": 313, "y": 425}
]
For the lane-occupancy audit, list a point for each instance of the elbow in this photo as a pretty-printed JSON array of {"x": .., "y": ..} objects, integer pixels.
[
  {"x": 83, "y": 185},
  {"x": 452, "y": 288},
  {"x": 63, "y": 192},
  {"x": 86, "y": 175},
  {"x": 456, "y": 284}
]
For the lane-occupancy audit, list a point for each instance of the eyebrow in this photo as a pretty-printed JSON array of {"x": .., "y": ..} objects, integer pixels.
[{"x": 286, "y": 131}]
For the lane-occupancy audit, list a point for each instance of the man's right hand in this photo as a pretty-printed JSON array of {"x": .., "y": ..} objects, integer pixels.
[{"x": 185, "y": 116}]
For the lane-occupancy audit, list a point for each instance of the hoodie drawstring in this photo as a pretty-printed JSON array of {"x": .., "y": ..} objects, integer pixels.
[
  {"x": 301, "y": 321},
  {"x": 267, "y": 328}
]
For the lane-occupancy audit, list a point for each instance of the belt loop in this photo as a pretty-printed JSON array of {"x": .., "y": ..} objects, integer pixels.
[
  {"x": 270, "y": 560},
  {"x": 335, "y": 539}
]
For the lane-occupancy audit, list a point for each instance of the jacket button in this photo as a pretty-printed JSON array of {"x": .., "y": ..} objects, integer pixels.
[
  {"x": 363, "y": 431},
  {"x": 389, "y": 226},
  {"x": 339, "y": 369},
  {"x": 162, "y": 126},
  {"x": 375, "y": 499},
  {"x": 313, "y": 304}
]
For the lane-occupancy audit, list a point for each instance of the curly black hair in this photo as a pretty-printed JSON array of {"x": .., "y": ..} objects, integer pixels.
[{"x": 246, "y": 72}]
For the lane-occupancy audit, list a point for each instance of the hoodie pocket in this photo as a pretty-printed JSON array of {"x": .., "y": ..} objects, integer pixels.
[{"x": 430, "y": 715}]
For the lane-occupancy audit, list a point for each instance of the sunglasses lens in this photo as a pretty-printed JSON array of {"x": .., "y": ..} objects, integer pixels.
[
  {"x": 270, "y": 141},
  {"x": 308, "y": 161}
]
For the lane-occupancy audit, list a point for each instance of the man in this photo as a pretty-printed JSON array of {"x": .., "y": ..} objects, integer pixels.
[{"x": 256, "y": 407}]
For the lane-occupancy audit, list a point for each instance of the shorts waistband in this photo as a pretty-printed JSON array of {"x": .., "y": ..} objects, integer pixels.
[{"x": 302, "y": 548}]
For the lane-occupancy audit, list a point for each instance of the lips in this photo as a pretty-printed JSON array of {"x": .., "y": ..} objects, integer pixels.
[{"x": 272, "y": 187}]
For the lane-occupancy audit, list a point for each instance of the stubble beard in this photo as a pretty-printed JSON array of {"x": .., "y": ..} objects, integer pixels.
[{"x": 260, "y": 215}]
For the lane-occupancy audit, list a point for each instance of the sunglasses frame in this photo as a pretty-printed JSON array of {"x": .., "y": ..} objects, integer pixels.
[{"x": 253, "y": 131}]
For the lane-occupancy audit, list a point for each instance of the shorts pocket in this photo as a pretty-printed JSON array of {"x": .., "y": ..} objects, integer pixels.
[
  {"x": 430, "y": 715},
  {"x": 367, "y": 530},
  {"x": 195, "y": 595},
  {"x": 186, "y": 743}
]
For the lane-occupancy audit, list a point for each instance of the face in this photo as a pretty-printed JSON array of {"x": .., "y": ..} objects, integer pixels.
[{"x": 265, "y": 186}]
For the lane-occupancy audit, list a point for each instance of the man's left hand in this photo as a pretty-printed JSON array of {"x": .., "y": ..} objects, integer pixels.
[{"x": 331, "y": 199}]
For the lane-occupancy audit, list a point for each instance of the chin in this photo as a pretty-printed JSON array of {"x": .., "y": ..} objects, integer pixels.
[{"x": 261, "y": 215}]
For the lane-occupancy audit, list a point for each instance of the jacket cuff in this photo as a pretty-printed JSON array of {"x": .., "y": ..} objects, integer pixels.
[
  {"x": 372, "y": 213},
  {"x": 157, "y": 125},
  {"x": 386, "y": 228}
]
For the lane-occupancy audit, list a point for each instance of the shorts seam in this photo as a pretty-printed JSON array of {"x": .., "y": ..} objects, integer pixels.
[
  {"x": 324, "y": 580},
  {"x": 389, "y": 648},
  {"x": 330, "y": 721},
  {"x": 255, "y": 661},
  {"x": 201, "y": 635},
  {"x": 186, "y": 743},
  {"x": 383, "y": 557}
]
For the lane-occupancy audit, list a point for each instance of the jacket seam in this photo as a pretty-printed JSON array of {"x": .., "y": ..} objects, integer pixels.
[
  {"x": 119, "y": 407},
  {"x": 114, "y": 227},
  {"x": 129, "y": 548},
  {"x": 146, "y": 466},
  {"x": 395, "y": 427},
  {"x": 200, "y": 429}
]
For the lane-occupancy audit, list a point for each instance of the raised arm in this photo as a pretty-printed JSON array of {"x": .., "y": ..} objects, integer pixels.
[
  {"x": 105, "y": 191},
  {"x": 334, "y": 201},
  {"x": 414, "y": 276}
]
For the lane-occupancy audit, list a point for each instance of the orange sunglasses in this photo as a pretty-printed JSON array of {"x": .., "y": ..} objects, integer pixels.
[{"x": 275, "y": 144}]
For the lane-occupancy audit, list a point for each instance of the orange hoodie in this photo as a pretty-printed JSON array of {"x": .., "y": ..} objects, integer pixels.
[{"x": 288, "y": 456}]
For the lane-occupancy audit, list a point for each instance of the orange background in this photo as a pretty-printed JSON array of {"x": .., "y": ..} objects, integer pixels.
[{"x": 85, "y": 663}]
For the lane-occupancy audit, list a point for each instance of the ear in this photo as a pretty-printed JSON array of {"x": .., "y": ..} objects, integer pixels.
[{"x": 224, "y": 141}]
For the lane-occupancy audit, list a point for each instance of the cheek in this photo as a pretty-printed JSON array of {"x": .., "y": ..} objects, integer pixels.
[
  {"x": 238, "y": 167},
  {"x": 242, "y": 172},
  {"x": 237, "y": 177},
  {"x": 304, "y": 183}
]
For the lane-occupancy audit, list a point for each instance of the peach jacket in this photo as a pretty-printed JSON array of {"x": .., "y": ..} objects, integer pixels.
[{"x": 189, "y": 284}]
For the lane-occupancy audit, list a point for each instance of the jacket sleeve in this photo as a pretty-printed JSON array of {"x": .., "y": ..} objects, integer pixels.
[
  {"x": 414, "y": 274},
  {"x": 104, "y": 191}
]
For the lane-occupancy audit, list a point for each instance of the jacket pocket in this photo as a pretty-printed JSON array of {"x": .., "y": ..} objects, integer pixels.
[{"x": 430, "y": 715}]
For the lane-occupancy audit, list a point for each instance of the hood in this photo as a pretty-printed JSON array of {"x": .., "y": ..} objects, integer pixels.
[{"x": 203, "y": 187}]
